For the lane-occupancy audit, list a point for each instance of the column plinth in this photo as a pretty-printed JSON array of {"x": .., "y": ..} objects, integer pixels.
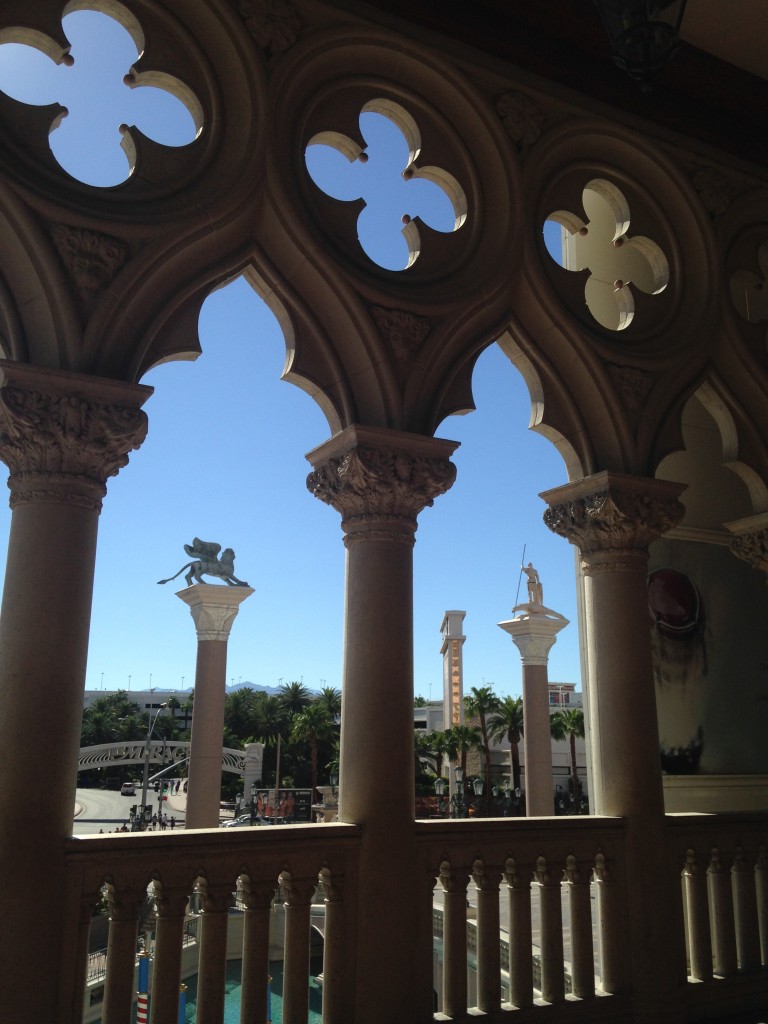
[
  {"x": 213, "y": 609},
  {"x": 379, "y": 480}
]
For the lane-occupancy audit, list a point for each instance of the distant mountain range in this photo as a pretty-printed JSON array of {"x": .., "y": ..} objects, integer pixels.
[{"x": 272, "y": 690}]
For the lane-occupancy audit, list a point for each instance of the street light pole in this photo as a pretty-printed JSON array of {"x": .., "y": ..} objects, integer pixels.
[{"x": 145, "y": 784}]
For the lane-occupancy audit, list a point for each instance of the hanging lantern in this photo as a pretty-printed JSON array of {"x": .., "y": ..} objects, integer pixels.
[{"x": 644, "y": 34}]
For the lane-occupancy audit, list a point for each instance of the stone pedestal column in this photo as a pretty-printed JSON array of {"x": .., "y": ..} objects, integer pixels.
[
  {"x": 534, "y": 632},
  {"x": 62, "y": 435},
  {"x": 380, "y": 480},
  {"x": 612, "y": 519},
  {"x": 213, "y": 609}
]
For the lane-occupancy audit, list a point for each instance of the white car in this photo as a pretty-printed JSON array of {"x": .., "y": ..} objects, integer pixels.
[
  {"x": 128, "y": 789},
  {"x": 243, "y": 820}
]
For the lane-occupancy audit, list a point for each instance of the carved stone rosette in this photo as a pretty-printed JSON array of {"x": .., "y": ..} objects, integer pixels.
[
  {"x": 62, "y": 435},
  {"x": 613, "y": 518},
  {"x": 379, "y": 480}
]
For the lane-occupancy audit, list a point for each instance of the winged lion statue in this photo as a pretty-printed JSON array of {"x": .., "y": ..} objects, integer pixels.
[{"x": 206, "y": 562}]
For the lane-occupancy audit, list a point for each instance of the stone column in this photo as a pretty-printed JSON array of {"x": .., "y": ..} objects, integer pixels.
[
  {"x": 62, "y": 436},
  {"x": 612, "y": 519},
  {"x": 534, "y": 632},
  {"x": 380, "y": 480},
  {"x": 214, "y": 609}
]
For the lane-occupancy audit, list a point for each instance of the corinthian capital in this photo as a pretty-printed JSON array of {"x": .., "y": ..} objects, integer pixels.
[
  {"x": 750, "y": 540},
  {"x": 613, "y": 518},
  {"x": 379, "y": 480},
  {"x": 62, "y": 435}
]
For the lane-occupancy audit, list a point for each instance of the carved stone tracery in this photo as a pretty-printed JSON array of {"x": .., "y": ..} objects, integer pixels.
[
  {"x": 62, "y": 436},
  {"x": 613, "y": 520}
]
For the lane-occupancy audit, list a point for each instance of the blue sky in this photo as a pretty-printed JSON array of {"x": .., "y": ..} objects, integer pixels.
[{"x": 224, "y": 461}]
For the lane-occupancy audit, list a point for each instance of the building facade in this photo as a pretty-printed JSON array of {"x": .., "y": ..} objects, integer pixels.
[{"x": 644, "y": 351}]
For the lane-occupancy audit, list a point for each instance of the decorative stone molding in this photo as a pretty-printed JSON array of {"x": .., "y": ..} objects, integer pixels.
[
  {"x": 274, "y": 24},
  {"x": 521, "y": 116},
  {"x": 403, "y": 331},
  {"x": 752, "y": 548},
  {"x": 749, "y": 540},
  {"x": 379, "y": 480},
  {"x": 214, "y": 608},
  {"x": 92, "y": 259},
  {"x": 62, "y": 435},
  {"x": 533, "y": 640},
  {"x": 714, "y": 190},
  {"x": 632, "y": 385},
  {"x": 613, "y": 518}
]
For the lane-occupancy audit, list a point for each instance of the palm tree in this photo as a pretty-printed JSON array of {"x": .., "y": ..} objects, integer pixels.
[
  {"x": 568, "y": 723},
  {"x": 271, "y": 722},
  {"x": 423, "y": 752},
  {"x": 506, "y": 723},
  {"x": 187, "y": 707},
  {"x": 438, "y": 742},
  {"x": 105, "y": 719},
  {"x": 460, "y": 739},
  {"x": 311, "y": 725},
  {"x": 330, "y": 698},
  {"x": 294, "y": 697},
  {"x": 479, "y": 703},
  {"x": 239, "y": 714}
]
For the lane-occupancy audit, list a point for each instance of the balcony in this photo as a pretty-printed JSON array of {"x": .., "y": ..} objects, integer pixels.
[{"x": 519, "y": 920}]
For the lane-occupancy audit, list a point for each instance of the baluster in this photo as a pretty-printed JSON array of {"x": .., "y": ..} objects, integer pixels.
[
  {"x": 488, "y": 935},
  {"x": 520, "y": 957},
  {"x": 745, "y": 913},
  {"x": 552, "y": 974},
  {"x": 170, "y": 907},
  {"x": 119, "y": 986},
  {"x": 609, "y": 929},
  {"x": 76, "y": 979},
  {"x": 215, "y": 900},
  {"x": 454, "y": 942},
  {"x": 721, "y": 915},
  {"x": 333, "y": 949},
  {"x": 255, "y": 973},
  {"x": 761, "y": 898},
  {"x": 697, "y": 912},
  {"x": 582, "y": 954},
  {"x": 298, "y": 903}
]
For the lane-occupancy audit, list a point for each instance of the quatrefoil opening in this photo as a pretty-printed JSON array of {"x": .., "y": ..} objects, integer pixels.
[
  {"x": 397, "y": 193},
  {"x": 617, "y": 262},
  {"x": 99, "y": 95}
]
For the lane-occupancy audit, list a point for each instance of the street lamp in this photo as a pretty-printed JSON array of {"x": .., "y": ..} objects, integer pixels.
[
  {"x": 253, "y": 802},
  {"x": 477, "y": 787},
  {"x": 458, "y": 793},
  {"x": 145, "y": 783},
  {"x": 440, "y": 785}
]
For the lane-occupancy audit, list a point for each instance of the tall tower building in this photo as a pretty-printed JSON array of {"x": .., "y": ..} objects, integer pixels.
[{"x": 452, "y": 629}]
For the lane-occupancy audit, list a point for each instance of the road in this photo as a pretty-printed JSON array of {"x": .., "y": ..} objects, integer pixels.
[{"x": 106, "y": 809}]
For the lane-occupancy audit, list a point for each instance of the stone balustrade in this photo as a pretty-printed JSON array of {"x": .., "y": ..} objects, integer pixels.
[
  {"x": 722, "y": 861},
  {"x": 521, "y": 915}
]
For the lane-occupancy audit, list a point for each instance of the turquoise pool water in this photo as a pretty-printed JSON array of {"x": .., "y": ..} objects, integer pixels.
[{"x": 232, "y": 996}]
